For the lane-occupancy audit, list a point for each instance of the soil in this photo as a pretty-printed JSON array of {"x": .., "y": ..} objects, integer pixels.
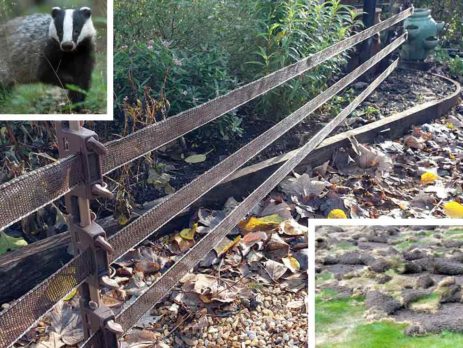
[{"x": 403, "y": 89}]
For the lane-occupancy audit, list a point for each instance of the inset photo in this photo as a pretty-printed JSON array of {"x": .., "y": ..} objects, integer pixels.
[
  {"x": 388, "y": 285},
  {"x": 55, "y": 59}
]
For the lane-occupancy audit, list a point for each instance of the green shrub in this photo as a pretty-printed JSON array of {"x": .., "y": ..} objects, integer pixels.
[
  {"x": 296, "y": 29},
  {"x": 190, "y": 52}
]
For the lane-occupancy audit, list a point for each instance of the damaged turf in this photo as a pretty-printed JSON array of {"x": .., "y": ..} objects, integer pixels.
[{"x": 405, "y": 281}]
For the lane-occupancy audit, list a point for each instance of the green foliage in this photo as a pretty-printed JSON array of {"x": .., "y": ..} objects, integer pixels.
[
  {"x": 454, "y": 64},
  {"x": 296, "y": 29},
  {"x": 449, "y": 11},
  {"x": 8, "y": 243},
  {"x": 190, "y": 52}
]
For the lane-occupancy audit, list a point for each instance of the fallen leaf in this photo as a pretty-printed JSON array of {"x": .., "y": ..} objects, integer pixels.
[
  {"x": 414, "y": 142},
  {"x": 180, "y": 245},
  {"x": 454, "y": 210},
  {"x": 265, "y": 223},
  {"x": 292, "y": 228},
  {"x": 291, "y": 263},
  {"x": 195, "y": 158},
  {"x": 371, "y": 158},
  {"x": 226, "y": 245},
  {"x": 276, "y": 247},
  {"x": 8, "y": 243},
  {"x": 303, "y": 185},
  {"x": 71, "y": 295},
  {"x": 189, "y": 233},
  {"x": 65, "y": 326},
  {"x": 428, "y": 178},
  {"x": 275, "y": 269}
]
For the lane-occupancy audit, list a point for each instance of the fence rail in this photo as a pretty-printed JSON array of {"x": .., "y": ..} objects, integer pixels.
[
  {"x": 67, "y": 175},
  {"x": 54, "y": 181}
]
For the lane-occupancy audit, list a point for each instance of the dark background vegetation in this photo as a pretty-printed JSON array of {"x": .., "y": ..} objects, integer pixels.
[{"x": 45, "y": 99}]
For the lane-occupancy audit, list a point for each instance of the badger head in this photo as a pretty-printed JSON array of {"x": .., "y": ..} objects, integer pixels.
[{"x": 70, "y": 27}]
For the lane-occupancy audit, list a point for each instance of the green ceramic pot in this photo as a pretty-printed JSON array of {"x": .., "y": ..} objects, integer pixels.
[{"x": 423, "y": 33}]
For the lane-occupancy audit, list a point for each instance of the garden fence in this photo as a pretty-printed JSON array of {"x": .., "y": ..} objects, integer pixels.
[{"x": 79, "y": 173}]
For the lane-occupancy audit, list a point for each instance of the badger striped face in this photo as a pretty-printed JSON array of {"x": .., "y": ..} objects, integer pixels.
[{"x": 70, "y": 27}]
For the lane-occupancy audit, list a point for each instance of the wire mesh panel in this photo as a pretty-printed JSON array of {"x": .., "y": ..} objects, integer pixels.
[
  {"x": 23, "y": 313},
  {"x": 128, "y": 317},
  {"x": 144, "y": 226}
]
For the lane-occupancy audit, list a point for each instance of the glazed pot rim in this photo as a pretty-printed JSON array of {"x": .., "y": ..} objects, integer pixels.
[{"x": 421, "y": 11}]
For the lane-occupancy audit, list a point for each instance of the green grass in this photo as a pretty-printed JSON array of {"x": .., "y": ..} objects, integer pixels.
[
  {"x": 385, "y": 334},
  {"x": 43, "y": 99},
  {"x": 454, "y": 234},
  {"x": 345, "y": 245},
  {"x": 331, "y": 311},
  {"x": 323, "y": 277},
  {"x": 340, "y": 323}
]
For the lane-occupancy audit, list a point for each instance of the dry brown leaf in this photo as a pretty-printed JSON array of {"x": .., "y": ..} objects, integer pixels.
[
  {"x": 292, "y": 228},
  {"x": 276, "y": 247},
  {"x": 275, "y": 269}
]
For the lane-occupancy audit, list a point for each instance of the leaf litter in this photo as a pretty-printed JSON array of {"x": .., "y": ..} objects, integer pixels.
[
  {"x": 416, "y": 176},
  {"x": 228, "y": 298}
]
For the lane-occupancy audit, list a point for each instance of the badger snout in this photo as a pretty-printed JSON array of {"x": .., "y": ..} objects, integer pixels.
[{"x": 68, "y": 46}]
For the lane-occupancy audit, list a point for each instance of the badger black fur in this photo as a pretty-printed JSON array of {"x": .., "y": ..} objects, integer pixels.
[{"x": 57, "y": 50}]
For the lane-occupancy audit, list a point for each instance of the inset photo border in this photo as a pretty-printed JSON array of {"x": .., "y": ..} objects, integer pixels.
[
  {"x": 385, "y": 283},
  {"x": 65, "y": 71}
]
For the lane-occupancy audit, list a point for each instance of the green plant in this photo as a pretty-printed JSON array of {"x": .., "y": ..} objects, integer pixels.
[
  {"x": 184, "y": 79},
  {"x": 451, "y": 12},
  {"x": 189, "y": 52},
  {"x": 296, "y": 29},
  {"x": 454, "y": 64}
]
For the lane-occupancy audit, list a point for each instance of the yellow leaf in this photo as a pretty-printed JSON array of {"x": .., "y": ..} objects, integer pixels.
[
  {"x": 452, "y": 156},
  {"x": 428, "y": 178},
  {"x": 189, "y": 233},
  {"x": 454, "y": 210},
  {"x": 254, "y": 224},
  {"x": 70, "y": 295},
  {"x": 223, "y": 249},
  {"x": 337, "y": 214},
  {"x": 291, "y": 263},
  {"x": 122, "y": 220},
  {"x": 450, "y": 125}
]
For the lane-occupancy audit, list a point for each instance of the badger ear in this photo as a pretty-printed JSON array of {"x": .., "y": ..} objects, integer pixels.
[
  {"x": 86, "y": 11},
  {"x": 55, "y": 11}
]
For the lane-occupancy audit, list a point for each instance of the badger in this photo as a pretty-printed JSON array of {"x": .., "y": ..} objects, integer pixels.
[{"x": 56, "y": 49}]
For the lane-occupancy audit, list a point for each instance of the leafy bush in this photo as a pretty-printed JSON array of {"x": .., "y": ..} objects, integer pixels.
[
  {"x": 189, "y": 52},
  {"x": 296, "y": 29},
  {"x": 185, "y": 79}
]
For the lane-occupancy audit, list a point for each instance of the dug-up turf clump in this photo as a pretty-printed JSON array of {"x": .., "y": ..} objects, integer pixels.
[
  {"x": 449, "y": 290},
  {"x": 380, "y": 305},
  {"x": 446, "y": 267}
]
